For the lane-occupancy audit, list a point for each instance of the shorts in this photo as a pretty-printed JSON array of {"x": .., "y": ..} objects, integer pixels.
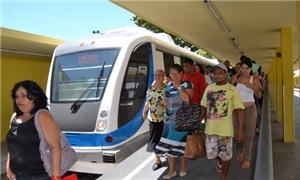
[{"x": 218, "y": 146}]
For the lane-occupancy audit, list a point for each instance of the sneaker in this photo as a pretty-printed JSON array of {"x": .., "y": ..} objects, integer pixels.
[{"x": 156, "y": 166}]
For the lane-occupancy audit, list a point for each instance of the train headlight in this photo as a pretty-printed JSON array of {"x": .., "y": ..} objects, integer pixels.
[
  {"x": 103, "y": 114},
  {"x": 102, "y": 120},
  {"x": 101, "y": 125}
]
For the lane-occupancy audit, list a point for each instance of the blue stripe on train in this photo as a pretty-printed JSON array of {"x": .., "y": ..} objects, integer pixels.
[{"x": 119, "y": 135}]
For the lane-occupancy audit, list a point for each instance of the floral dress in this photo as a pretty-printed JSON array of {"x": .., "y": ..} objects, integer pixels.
[{"x": 156, "y": 115}]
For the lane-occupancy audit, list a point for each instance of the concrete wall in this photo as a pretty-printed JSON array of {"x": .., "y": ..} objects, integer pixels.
[{"x": 14, "y": 68}]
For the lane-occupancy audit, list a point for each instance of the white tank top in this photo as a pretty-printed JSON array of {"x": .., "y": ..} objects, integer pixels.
[{"x": 247, "y": 94}]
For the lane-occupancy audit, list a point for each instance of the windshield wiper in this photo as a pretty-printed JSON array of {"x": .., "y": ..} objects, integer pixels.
[
  {"x": 99, "y": 79},
  {"x": 79, "y": 102}
]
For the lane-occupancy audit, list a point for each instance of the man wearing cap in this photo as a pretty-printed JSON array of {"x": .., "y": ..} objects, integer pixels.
[{"x": 220, "y": 100}]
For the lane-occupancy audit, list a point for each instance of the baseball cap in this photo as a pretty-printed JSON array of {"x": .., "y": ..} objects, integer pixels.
[{"x": 220, "y": 65}]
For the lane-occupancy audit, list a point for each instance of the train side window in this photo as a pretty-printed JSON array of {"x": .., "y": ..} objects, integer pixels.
[
  {"x": 168, "y": 61},
  {"x": 135, "y": 84},
  {"x": 177, "y": 60}
]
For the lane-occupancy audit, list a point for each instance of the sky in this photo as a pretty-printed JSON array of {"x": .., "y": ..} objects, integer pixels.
[{"x": 66, "y": 19}]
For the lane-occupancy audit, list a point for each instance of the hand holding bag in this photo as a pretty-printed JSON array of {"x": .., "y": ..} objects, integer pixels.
[{"x": 195, "y": 147}]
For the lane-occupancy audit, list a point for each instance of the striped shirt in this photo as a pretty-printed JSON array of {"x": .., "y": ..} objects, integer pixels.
[
  {"x": 173, "y": 97},
  {"x": 173, "y": 142}
]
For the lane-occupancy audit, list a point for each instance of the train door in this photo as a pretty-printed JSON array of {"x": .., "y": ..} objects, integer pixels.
[{"x": 135, "y": 85}]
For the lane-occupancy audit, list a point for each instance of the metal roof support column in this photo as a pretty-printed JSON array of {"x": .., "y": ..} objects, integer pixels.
[
  {"x": 269, "y": 79},
  {"x": 287, "y": 70},
  {"x": 279, "y": 89},
  {"x": 271, "y": 82},
  {"x": 274, "y": 84},
  {"x": 298, "y": 20}
]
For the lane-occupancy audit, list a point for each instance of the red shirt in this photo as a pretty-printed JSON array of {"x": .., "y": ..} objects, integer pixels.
[{"x": 199, "y": 84}]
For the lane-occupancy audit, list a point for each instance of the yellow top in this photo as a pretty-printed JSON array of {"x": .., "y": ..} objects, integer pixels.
[{"x": 220, "y": 101}]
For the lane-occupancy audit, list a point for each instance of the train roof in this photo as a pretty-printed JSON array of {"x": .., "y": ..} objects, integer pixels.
[{"x": 123, "y": 37}]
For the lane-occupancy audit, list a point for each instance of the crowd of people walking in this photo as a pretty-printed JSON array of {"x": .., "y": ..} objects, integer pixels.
[
  {"x": 222, "y": 99},
  {"x": 225, "y": 102}
]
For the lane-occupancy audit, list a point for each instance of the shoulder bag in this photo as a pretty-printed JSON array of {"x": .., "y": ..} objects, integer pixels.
[
  {"x": 188, "y": 118},
  {"x": 67, "y": 154},
  {"x": 195, "y": 146}
]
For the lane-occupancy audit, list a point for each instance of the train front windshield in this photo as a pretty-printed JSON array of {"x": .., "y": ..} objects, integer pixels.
[{"x": 82, "y": 71}]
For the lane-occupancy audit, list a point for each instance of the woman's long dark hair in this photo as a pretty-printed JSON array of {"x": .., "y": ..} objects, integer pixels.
[
  {"x": 34, "y": 92},
  {"x": 177, "y": 67},
  {"x": 248, "y": 62}
]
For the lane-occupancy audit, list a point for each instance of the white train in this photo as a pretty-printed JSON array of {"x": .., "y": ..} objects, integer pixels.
[{"x": 97, "y": 87}]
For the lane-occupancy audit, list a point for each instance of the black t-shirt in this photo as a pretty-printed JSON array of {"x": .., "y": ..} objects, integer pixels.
[{"x": 23, "y": 146}]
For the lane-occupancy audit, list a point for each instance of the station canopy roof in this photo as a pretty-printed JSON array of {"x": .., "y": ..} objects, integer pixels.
[
  {"x": 14, "y": 41},
  {"x": 224, "y": 28}
]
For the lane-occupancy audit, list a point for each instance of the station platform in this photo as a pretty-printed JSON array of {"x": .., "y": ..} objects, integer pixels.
[
  {"x": 286, "y": 156},
  {"x": 139, "y": 166}
]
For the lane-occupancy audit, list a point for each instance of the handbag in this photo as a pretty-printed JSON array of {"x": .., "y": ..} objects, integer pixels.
[
  {"x": 67, "y": 154},
  {"x": 70, "y": 177},
  {"x": 195, "y": 147},
  {"x": 188, "y": 118}
]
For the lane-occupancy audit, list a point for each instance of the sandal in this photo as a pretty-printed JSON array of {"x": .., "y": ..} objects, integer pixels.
[
  {"x": 246, "y": 165},
  {"x": 240, "y": 157},
  {"x": 156, "y": 166},
  {"x": 170, "y": 176},
  {"x": 219, "y": 168},
  {"x": 257, "y": 131},
  {"x": 182, "y": 173}
]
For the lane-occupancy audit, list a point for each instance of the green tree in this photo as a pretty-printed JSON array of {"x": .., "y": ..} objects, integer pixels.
[
  {"x": 177, "y": 40},
  {"x": 205, "y": 54}
]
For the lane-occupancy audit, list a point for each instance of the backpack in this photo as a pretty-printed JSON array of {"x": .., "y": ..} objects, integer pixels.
[{"x": 67, "y": 154}]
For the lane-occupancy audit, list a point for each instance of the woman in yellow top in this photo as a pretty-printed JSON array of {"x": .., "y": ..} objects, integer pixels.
[{"x": 155, "y": 112}]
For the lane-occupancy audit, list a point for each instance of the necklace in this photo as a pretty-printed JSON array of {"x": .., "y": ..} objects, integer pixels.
[{"x": 22, "y": 119}]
